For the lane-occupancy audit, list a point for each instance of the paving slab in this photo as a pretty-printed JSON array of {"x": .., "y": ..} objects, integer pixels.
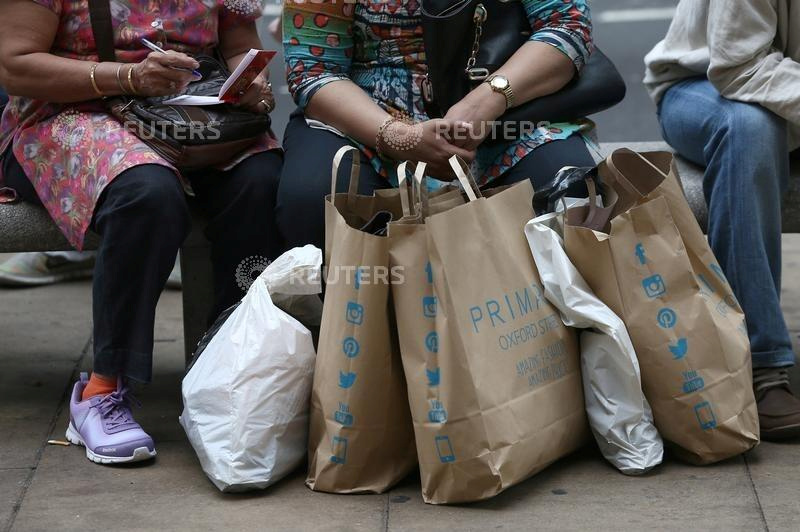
[
  {"x": 172, "y": 493},
  {"x": 775, "y": 470},
  {"x": 12, "y": 482},
  {"x": 45, "y": 331},
  {"x": 582, "y": 492}
]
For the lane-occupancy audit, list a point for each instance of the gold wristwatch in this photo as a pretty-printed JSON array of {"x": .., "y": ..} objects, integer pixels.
[{"x": 500, "y": 84}]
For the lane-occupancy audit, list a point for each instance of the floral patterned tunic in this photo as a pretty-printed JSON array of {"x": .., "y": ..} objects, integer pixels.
[
  {"x": 71, "y": 152},
  {"x": 378, "y": 45}
]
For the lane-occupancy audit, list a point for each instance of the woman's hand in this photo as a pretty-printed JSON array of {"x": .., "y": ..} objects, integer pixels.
[
  {"x": 431, "y": 144},
  {"x": 477, "y": 111},
  {"x": 158, "y": 74},
  {"x": 258, "y": 97}
]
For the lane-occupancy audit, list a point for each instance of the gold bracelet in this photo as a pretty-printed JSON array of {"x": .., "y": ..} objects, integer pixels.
[
  {"x": 130, "y": 81},
  {"x": 119, "y": 79},
  {"x": 94, "y": 81}
]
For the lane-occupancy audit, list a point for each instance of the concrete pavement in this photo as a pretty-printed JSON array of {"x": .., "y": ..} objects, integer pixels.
[{"x": 45, "y": 342}]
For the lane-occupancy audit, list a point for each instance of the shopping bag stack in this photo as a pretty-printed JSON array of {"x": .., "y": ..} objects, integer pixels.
[
  {"x": 493, "y": 374},
  {"x": 654, "y": 268},
  {"x": 361, "y": 437},
  {"x": 619, "y": 414}
]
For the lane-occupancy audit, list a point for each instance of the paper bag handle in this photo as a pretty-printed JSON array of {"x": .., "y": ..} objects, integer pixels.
[
  {"x": 355, "y": 172},
  {"x": 465, "y": 177},
  {"x": 411, "y": 195}
]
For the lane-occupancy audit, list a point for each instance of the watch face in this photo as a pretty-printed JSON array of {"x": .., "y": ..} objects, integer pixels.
[{"x": 499, "y": 82}]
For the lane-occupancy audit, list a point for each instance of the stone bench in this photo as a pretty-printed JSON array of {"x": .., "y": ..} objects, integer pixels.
[{"x": 25, "y": 227}]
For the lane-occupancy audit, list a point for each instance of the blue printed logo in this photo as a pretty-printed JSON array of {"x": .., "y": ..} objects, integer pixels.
[
  {"x": 339, "y": 447},
  {"x": 667, "y": 318},
  {"x": 716, "y": 269},
  {"x": 654, "y": 286},
  {"x": 730, "y": 300},
  {"x": 346, "y": 380},
  {"x": 429, "y": 272},
  {"x": 705, "y": 283},
  {"x": 343, "y": 415},
  {"x": 429, "y": 306},
  {"x": 357, "y": 278},
  {"x": 437, "y": 413},
  {"x": 722, "y": 308},
  {"x": 432, "y": 342},
  {"x": 433, "y": 376},
  {"x": 350, "y": 347},
  {"x": 355, "y": 313},
  {"x": 705, "y": 415},
  {"x": 692, "y": 382},
  {"x": 679, "y": 349},
  {"x": 640, "y": 254},
  {"x": 445, "y": 449}
]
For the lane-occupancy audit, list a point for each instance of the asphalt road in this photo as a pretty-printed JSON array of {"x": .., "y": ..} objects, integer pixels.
[{"x": 625, "y": 29}]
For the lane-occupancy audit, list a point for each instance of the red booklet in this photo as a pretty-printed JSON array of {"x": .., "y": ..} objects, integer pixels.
[{"x": 251, "y": 66}]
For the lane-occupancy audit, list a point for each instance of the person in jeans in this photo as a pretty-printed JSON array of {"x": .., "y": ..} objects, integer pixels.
[
  {"x": 727, "y": 83},
  {"x": 60, "y": 147}
]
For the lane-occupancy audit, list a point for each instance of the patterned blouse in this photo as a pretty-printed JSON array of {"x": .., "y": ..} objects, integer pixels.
[
  {"x": 71, "y": 152},
  {"x": 378, "y": 45}
]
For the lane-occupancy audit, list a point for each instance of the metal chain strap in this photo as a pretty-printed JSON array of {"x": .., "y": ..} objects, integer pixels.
[{"x": 478, "y": 18}]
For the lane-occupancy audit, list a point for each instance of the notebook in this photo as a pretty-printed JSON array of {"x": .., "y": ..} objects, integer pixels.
[{"x": 251, "y": 66}]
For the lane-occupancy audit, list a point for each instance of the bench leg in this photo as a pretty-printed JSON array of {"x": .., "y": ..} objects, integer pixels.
[{"x": 198, "y": 293}]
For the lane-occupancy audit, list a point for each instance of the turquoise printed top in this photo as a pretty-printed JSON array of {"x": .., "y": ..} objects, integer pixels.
[{"x": 378, "y": 45}]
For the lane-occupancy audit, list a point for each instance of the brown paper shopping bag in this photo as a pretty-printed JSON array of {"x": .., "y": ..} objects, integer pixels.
[
  {"x": 361, "y": 436},
  {"x": 493, "y": 375},
  {"x": 655, "y": 269}
]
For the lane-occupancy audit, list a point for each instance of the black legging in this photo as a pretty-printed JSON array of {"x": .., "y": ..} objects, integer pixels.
[
  {"x": 306, "y": 177},
  {"x": 142, "y": 218}
]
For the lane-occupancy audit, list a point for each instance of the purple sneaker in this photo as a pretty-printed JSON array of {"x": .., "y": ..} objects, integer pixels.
[{"x": 105, "y": 426}]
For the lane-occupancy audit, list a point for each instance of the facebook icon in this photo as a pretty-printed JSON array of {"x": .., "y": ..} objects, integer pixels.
[{"x": 640, "y": 254}]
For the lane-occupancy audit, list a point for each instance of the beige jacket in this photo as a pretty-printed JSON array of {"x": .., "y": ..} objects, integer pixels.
[{"x": 749, "y": 50}]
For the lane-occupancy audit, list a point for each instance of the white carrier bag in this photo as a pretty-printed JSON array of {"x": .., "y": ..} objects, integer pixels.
[
  {"x": 246, "y": 396},
  {"x": 619, "y": 415}
]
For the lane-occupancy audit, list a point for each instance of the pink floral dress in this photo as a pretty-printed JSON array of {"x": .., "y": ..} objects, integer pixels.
[{"x": 71, "y": 152}]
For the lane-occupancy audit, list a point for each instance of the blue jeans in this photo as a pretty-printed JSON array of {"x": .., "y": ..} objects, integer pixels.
[{"x": 744, "y": 148}]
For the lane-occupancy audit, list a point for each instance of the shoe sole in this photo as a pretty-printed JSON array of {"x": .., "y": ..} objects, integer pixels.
[
  {"x": 140, "y": 454},
  {"x": 11, "y": 280},
  {"x": 788, "y": 432}
]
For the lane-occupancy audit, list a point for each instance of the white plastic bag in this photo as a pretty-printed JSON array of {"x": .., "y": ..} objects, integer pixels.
[
  {"x": 246, "y": 398},
  {"x": 618, "y": 412}
]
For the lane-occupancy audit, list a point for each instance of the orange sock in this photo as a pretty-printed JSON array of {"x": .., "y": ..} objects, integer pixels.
[{"x": 99, "y": 385}]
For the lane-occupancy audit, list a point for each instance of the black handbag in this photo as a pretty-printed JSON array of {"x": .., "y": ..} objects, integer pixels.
[
  {"x": 467, "y": 40},
  {"x": 189, "y": 137}
]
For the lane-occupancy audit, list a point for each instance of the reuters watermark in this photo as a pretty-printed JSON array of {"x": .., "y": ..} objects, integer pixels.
[
  {"x": 507, "y": 130},
  {"x": 159, "y": 129}
]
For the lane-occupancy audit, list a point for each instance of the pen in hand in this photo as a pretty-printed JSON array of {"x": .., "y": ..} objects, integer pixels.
[{"x": 158, "y": 49}]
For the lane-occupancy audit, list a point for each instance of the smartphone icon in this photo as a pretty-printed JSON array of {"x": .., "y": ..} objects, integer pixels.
[
  {"x": 445, "y": 449},
  {"x": 339, "y": 446},
  {"x": 705, "y": 415}
]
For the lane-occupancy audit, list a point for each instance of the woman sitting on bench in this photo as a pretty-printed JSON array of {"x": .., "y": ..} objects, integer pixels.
[{"x": 62, "y": 148}]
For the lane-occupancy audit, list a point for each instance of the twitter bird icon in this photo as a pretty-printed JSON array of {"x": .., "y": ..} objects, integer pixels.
[
  {"x": 679, "y": 349},
  {"x": 346, "y": 380}
]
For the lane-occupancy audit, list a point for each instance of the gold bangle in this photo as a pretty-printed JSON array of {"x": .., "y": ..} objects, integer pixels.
[
  {"x": 94, "y": 81},
  {"x": 130, "y": 81},
  {"x": 119, "y": 79}
]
